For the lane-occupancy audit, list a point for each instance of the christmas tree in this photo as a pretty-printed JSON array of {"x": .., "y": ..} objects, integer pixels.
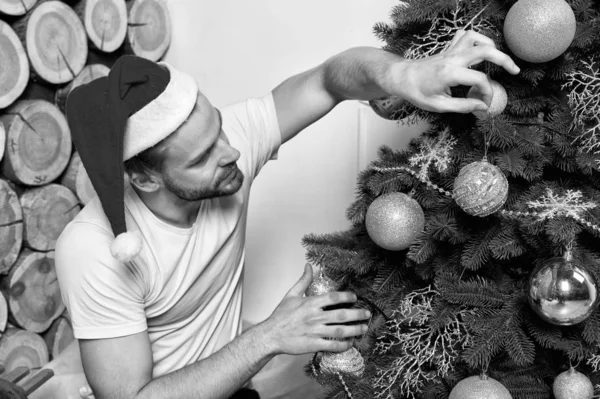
[{"x": 477, "y": 248}]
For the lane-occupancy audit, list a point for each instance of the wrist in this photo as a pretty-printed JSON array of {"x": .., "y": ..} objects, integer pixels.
[{"x": 264, "y": 340}]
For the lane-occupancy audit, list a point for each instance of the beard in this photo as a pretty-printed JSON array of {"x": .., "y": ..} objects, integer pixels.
[{"x": 192, "y": 194}]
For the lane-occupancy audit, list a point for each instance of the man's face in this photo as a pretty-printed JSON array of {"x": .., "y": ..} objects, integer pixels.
[{"x": 199, "y": 162}]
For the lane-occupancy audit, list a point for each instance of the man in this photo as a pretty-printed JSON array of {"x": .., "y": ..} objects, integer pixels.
[{"x": 156, "y": 310}]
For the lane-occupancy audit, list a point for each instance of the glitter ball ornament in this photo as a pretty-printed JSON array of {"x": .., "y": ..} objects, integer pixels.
[
  {"x": 347, "y": 362},
  {"x": 478, "y": 387},
  {"x": 562, "y": 293},
  {"x": 480, "y": 188},
  {"x": 394, "y": 220},
  {"x": 572, "y": 384},
  {"x": 499, "y": 99},
  {"x": 539, "y": 30},
  {"x": 388, "y": 107},
  {"x": 321, "y": 285}
]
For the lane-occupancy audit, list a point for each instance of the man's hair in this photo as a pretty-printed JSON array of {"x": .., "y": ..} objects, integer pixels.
[{"x": 149, "y": 160}]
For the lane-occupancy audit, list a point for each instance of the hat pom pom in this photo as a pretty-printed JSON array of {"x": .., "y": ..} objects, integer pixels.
[{"x": 126, "y": 246}]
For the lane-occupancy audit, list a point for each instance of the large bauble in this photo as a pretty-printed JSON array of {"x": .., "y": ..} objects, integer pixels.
[
  {"x": 347, "y": 362},
  {"x": 394, "y": 220},
  {"x": 539, "y": 30},
  {"x": 479, "y": 387},
  {"x": 499, "y": 99},
  {"x": 572, "y": 384},
  {"x": 390, "y": 107},
  {"x": 480, "y": 189},
  {"x": 562, "y": 293}
]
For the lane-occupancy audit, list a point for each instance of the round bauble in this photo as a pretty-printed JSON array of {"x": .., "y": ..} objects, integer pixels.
[
  {"x": 572, "y": 384},
  {"x": 539, "y": 30},
  {"x": 480, "y": 188},
  {"x": 479, "y": 387},
  {"x": 562, "y": 293},
  {"x": 321, "y": 285},
  {"x": 394, "y": 221},
  {"x": 389, "y": 107},
  {"x": 499, "y": 99},
  {"x": 347, "y": 362}
]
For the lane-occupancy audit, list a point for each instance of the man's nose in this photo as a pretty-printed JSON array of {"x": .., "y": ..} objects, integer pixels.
[{"x": 231, "y": 155}]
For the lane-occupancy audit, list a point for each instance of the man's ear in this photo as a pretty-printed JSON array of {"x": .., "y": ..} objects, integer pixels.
[{"x": 147, "y": 182}]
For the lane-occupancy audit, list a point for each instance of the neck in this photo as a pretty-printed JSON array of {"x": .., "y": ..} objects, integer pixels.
[{"x": 169, "y": 208}]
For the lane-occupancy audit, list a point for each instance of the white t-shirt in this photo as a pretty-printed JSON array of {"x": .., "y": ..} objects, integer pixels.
[{"x": 185, "y": 287}]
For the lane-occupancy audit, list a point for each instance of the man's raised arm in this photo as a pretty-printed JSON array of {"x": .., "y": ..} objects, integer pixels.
[{"x": 366, "y": 73}]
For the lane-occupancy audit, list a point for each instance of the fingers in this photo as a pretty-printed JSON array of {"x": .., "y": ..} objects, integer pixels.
[
  {"x": 302, "y": 285},
  {"x": 465, "y": 39},
  {"x": 344, "y": 315},
  {"x": 475, "y": 55},
  {"x": 458, "y": 76},
  {"x": 343, "y": 331},
  {"x": 334, "y": 298},
  {"x": 327, "y": 345}
]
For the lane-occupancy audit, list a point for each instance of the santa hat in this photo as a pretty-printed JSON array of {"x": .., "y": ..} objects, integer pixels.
[{"x": 116, "y": 117}]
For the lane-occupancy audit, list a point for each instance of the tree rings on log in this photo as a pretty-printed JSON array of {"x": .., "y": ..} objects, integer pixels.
[
  {"x": 11, "y": 227},
  {"x": 149, "y": 32},
  {"x": 20, "y": 348},
  {"x": 32, "y": 292},
  {"x": 46, "y": 212},
  {"x": 14, "y": 66},
  {"x": 59, "y": 336},
  {"x": 55, "y": 41},
  {"x": 87, "y": 74},
  {"x": 38, "y": 142},
  {"x": 105, "y": 22},
  {"x": 77, "y": 180},
  {"x": 16, "y": 7}
]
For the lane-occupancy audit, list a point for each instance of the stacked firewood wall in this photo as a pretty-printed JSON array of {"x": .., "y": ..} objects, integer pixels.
[{"x": 47, "y": 48}]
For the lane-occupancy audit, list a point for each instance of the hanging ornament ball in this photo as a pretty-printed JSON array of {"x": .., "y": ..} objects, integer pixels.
[
  {"x": 389, "y": 107},
  {"x": 321, "y": 285},
  {"x": 539, "y": 30},
  {"x": 478, "y": 387},
  {"x": 394, "y": 220},
  {"x": 499, "y": 99},
  {"x": 347, "y": 362},
  {"x": 572, "y": 384},
  {"x": 562, "y": 293},
  {"x": 480, "y": 188}
]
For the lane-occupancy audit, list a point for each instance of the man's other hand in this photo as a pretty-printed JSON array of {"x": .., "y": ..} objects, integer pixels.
[{"x": 301, "y": 325}]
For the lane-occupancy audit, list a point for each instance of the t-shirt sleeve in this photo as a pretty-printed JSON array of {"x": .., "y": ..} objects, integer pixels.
[
  {"x": 103, "y": 296},
  {"x": 252, "y": 127}
]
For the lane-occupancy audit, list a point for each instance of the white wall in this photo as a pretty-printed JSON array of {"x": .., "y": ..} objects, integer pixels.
[{"x": 237, "y": 49}]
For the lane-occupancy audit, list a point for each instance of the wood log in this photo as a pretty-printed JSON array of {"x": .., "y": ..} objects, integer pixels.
[
  {"x": 149, "y": 28},
  {"x": 16, "y": 7},
  {"x": 38, "y": 142},
  {"x": 14, "y": 66},
  {"x": 2, "y": 140},
  {"x": 46, "y": 212},
  {"x": 19, "y": 348},
  {"x": 11, "y": 227},
  {"x": 32, "y": 292},
  {"x": 105, "y": 22},
  {"x": 55, "y": 41},
  {"x": 87, "y": 74},
  {"x": 3, "y": 314},
  {"x": 76, "y": 179},
  {"x": 58, "y": 336}
]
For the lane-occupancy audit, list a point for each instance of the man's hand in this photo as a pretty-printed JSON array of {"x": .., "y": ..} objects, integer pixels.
[
  {"x": 300, "y": 325},
  {"x": 426, "y": 82}
]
